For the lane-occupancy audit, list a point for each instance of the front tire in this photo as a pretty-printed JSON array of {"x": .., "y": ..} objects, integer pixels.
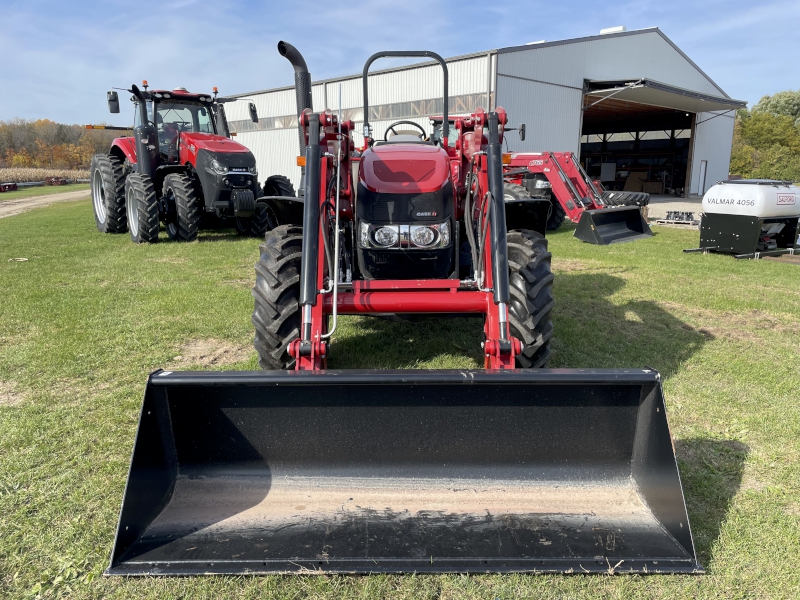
[
  {"x": 108, "y": 193},
  {"x": 276, "y": 316},
  {"x": 142, "y": 209},
  {"x": 557, "y": 214},
  {"x": 531, "y": 289},
  {"x": 184, "y": 222},
  {"x": 263, "y": 220}
]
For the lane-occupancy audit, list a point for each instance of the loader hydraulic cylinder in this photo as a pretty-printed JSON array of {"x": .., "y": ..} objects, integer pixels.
[
  {"x": 308, "y": 274},
  {"x": 497, "y": 213}
]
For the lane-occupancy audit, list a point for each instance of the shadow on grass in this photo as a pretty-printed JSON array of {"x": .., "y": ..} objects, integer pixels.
[
  {"x": 711, "y": 472},
  {"x": 590, "y": 332},
  {"x": 593, "y": 332}
]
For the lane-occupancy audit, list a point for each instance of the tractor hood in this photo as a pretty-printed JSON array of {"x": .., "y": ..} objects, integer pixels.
[
  {"x": 211, "y": 142},
  {"x": 401, "y": 168}
]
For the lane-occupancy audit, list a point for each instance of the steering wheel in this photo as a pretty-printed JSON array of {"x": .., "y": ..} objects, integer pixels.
[{"x": 423, "y": 136}]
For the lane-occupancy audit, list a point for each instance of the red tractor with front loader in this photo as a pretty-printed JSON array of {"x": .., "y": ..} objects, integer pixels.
[
  {"x": 301, "y": 469},
  {"x": 180, "y": 168},
  {"x": 603, "y": 217}
]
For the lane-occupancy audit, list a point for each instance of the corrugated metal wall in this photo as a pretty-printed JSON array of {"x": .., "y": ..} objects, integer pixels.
[
  {"x": 541, "y": 86},
  {"x": 276, "y": 149}
]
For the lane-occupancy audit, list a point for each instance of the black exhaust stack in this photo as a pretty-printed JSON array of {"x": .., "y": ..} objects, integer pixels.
[{"x": 302, "y": 90}]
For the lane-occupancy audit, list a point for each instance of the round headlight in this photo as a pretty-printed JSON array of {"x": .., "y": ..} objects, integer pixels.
[
  {"x": 253, "y": 170},
  {"x": 422, "y": 236},
  {"x": 386, "y": 236}
]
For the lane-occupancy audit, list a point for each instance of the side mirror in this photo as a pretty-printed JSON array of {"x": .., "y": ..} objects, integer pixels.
[
  {"x": 253, "y": 112},
  {"x": 113, "y": 102},
  {"x": 521, "y": 132}
]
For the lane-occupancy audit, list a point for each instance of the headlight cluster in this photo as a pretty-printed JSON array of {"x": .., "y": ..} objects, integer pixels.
[
  {"x": 218, "y": 167},
  {"x": 431, "y": 236},
  {"x": 541, "y": 184}
]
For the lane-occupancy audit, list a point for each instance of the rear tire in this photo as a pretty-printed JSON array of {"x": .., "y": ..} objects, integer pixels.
[
  {"x": 531, "y": 288},
  {"x": 276, "y": 316},
  {"x": 108, "y": 193},
  {"x": 179, "y": 190},
  {"x": 278, "y": 185},
  {"x": 142, "y": 209},
  {"x": 264, "y": 218}
]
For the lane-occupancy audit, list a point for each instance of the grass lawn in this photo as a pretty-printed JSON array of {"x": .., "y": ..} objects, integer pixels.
[
  {"x": 88, "y": 316},
  {"x": 42, "y": 191}
]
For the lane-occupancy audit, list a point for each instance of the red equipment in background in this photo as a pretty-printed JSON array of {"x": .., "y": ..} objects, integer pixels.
[{"x": 578, "y": 198}]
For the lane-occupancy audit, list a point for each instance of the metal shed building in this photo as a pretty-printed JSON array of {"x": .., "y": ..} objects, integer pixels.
[{"x": 639, "y": 113}]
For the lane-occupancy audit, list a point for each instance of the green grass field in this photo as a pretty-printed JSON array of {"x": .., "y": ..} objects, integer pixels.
[
  {"x": 88, "y": 316},
  {"x": 42, "y": 191}
]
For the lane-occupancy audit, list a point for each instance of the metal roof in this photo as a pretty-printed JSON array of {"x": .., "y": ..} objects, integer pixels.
[{"x": 506, "y": 50}]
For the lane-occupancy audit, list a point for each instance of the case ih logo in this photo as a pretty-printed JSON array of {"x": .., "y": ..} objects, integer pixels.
[
  {"x": 536, "y": 163},
  {"x": 786, "y": 199}
]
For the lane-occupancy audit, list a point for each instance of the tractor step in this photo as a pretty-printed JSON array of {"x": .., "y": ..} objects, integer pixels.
[{"x": 403, "y": 471}]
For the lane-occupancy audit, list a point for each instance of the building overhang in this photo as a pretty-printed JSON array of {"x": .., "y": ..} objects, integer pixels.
[{"x": 655, "y": 93}]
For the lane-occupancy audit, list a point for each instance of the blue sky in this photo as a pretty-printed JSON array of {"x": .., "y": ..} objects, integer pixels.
[{"x": 61, "y": 57}]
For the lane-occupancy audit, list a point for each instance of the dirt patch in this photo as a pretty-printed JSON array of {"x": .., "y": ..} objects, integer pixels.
[
  {"x": 211, "y": 352},
  {"x": 15, "y": 207},
  {"x": 8, "y": 395},
  {"x": 786, "y": 258}
]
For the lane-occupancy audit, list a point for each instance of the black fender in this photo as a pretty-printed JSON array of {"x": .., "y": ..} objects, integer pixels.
[
  {"x": 528, "y": 213},
  {"x": 288, "y": 210}
]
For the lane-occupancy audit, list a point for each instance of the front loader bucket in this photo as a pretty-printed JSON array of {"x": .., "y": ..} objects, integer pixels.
[
  {"x": 612, "y": 225},
  {"x": 562, "y": 470}
]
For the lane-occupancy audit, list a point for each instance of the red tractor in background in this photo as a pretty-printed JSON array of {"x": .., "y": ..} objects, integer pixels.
[
  {"x": 559, "y": 178},
  {"x": 180, "y": 168}
]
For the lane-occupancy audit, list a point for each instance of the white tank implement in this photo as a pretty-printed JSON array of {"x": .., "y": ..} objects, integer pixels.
[
  {"x": 753, "y": 198},
  {"x": 750, "y": 218}
]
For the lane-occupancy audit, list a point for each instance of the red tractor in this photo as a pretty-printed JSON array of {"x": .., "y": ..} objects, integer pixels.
[
  {"x": 603, "y": 217},
  {"x": 180, "y": 168},
  {"x": 423, "y": 230}
]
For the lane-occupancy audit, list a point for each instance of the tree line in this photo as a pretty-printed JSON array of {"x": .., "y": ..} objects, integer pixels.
[
  {"x": 46, "y": 144},
  {"x": 766, "y": 139}
]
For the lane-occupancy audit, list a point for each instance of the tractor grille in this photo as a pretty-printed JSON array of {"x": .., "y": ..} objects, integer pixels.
[{"x": 376, "y": 207}]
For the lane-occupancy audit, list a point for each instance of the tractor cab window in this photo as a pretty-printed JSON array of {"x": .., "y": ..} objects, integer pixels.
[
  {"x": 174, "y": 117},
  {"x": 204, "y": 120},
  {"x": 436, "y": 136},
  {"x": 136, "y": 120}
]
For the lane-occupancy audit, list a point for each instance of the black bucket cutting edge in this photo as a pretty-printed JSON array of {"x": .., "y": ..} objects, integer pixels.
[
  {"x": 535, "y": 471},
  {"x": 612, "y": 225}
]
